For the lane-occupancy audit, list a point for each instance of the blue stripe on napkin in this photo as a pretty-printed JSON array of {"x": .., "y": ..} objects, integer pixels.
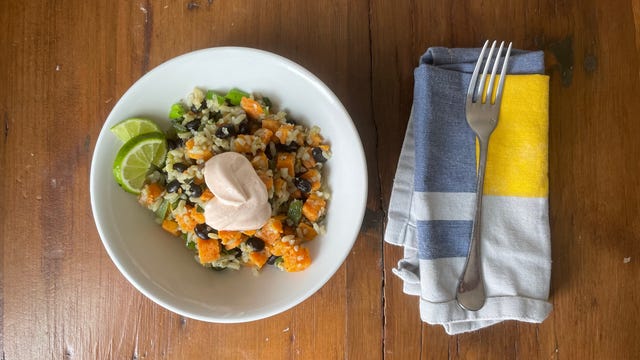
[
  {"x": 439, "y": 127},
  {"x": 441, "y": 239}
]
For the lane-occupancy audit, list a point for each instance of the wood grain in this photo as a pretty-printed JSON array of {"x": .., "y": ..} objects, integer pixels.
[{"x": 66, "y": 63}]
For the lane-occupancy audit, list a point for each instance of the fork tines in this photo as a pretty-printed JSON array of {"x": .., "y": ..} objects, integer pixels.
[{"x": 476, "y": 90}]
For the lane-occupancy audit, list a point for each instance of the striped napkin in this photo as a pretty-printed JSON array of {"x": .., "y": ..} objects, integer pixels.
[{"x": 433, "y": 197}]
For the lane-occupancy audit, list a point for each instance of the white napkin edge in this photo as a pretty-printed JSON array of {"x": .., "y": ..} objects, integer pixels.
[
  {"x": 495, "y": 310},
  {"x": 401, "y": 223}
]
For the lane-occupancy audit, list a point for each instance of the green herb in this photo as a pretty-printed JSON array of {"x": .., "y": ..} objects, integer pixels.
[
  {"x": 235, "y": 95},
  {"x": 177, "y": 111},
  {"x": 211, "y": 94}
]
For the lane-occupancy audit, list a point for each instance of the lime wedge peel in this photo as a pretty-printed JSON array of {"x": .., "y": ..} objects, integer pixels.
[
  {"x": 135, "y": 157},
  {"x": 130, "y": 128}
]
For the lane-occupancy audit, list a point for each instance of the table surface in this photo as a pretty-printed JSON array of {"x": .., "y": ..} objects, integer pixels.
[{"x": 66, "y": 63}]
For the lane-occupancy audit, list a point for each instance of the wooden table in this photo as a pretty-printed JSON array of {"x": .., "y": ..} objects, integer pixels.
[{"x": 66, "y": 63}]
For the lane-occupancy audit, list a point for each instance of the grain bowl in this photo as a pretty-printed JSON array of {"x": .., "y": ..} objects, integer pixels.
[{"x": 155, "y": 262}]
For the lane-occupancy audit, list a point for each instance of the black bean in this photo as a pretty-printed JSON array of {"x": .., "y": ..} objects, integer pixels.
[
  {"x": 293, "y": 146},
  {"x": 194, "y": 108},
  {"x": 272, "y": 259},
  {"x": 303, "y": 184},
  {"x": 172, "y": 144},
  {"x": 203, "y": 230},
  {"x": 173, "y": 186},
  {"x": 225, "y": 131},
  {"x": 243, "y": 127},
  {"x": 270, "y": 152},
  {"x": 318, "y": 155},
  {"x": 193, "y": 125},
  {"x": 291, "y": 121},
  {"x": 255, "y": 243},
  {"x": 180, "y": 167},
  {"x": 216, "y": 116},
  {"x": 196, "y": 190}
]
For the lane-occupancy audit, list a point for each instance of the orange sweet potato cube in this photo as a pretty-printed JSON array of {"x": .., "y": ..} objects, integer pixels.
[
  {"x": 314, "y": 207},
  {"x": 208, "y": 250}
]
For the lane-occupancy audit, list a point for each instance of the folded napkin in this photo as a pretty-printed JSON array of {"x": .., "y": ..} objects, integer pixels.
[{"x": 433, "y": 197}]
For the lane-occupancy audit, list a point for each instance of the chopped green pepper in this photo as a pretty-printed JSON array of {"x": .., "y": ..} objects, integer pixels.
[
  {"x": 179, "y": 127},
  {"x": 235, "y": 95},
  {"x": 177, "y": 111},
  {"x": 161, "y": 212},
  {"x": 295, "y": 211},
  {"x": 211, "y": 94}
]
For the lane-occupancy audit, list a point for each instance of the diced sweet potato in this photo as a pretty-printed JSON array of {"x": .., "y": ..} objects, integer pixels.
[
  {"x": 296, "y": 259},
  {"x": 206, "y": 195},
  {"x": 243, "y": 143},
  {"x": 230, "y": 239},
  {"x": 150, "y": 193},
  {"x": 285, "y": 160},
  {"x": 258, "y": 258},
  {"x": 271, "y": 124},
  {"x": 279, "y": 248},
  {"x": 308, "y": 160},
  {"x": 197, "y": 153},
  {"x": 314, "y": 138},
  {"x": 198, "y": 217},
  {"x": 283, "y": 132},
  {"x": 267, "y": 179},
  {"x": 306, "y": 231},
  {"x": 260, "y": 161},
  {"x": 271, "y": 231},
  {"x": 191, "y": 217},
  {"x": 264, "y": 134},
  {"x": 314, "y": 207},
  {"x": 208, "y": 250},
  {"x": 171, "y": 227},
  {"x": 251, "y": 107}
]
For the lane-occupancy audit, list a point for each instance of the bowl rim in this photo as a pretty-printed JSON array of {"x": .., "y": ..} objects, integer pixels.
[{"x": 357, "y": 147}]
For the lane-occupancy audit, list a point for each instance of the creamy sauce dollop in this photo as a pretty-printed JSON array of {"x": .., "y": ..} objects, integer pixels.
[{"x": 240, "y": 201}]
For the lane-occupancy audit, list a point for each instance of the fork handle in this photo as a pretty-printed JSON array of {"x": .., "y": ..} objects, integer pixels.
[{"x": 470, "y": 293}]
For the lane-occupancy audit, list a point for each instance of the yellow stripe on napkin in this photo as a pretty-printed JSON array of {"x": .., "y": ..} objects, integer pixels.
[{"x": 517, "y": 162}]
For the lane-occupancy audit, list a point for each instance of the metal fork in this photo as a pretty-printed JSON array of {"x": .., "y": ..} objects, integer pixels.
[{"x": 482, "y": 117}]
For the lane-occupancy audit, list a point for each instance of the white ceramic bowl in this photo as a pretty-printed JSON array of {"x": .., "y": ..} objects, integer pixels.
[{"x": 158, "y": 264}]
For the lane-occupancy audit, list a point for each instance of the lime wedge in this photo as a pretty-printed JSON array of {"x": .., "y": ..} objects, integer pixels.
[
  {"x": 135, "y": 157},
  {"x": 130, "y": 128}
]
